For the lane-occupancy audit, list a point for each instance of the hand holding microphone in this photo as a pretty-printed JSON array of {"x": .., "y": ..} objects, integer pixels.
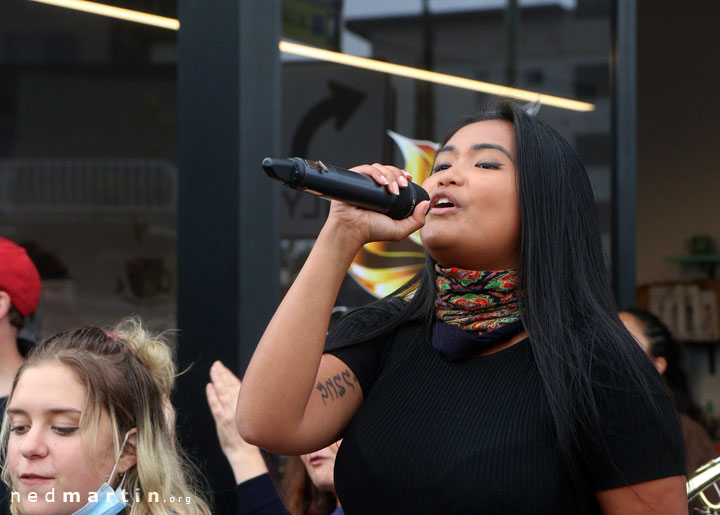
[
  {"x": 371, "y": 189},
  {"x": 369, "y": 192}
]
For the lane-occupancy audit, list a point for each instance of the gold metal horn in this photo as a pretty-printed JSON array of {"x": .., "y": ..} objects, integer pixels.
[{"x": 703, "y": 484}]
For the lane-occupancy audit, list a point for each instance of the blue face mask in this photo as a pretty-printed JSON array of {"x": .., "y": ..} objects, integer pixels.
[{"x": 108, "y": 501}]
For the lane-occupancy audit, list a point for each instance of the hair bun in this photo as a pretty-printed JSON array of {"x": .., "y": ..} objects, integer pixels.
[{"x": 152, "y": 350}]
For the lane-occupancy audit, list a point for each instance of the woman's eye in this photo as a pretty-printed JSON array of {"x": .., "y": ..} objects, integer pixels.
[
  {"x": 19, "y": 430},
  {"x": 64, "y": 431},
  {"x": 488, "y": 164},
  {"x": 440, "y": 167}
]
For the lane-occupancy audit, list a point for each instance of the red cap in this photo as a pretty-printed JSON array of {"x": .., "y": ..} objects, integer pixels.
[{"x": 19, "y": 278}]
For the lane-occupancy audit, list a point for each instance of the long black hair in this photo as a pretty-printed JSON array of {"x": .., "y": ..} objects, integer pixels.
[
  {"x": 567, "y": 305},
  {"x": 664, "y": 345}
]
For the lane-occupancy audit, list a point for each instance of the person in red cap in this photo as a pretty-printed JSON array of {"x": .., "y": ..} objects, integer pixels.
[{"x": 19, "y": 295}]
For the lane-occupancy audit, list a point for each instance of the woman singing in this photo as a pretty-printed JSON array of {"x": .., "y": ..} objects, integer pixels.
[{"x": 500, "y": 379}]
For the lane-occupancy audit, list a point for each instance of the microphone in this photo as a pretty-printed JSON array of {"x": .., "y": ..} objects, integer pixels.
[{"x": 337, "y": 183}]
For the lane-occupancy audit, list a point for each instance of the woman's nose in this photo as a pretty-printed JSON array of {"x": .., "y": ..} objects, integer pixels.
[
  {"x": 33, "y": 444},
  {"x": 448, "y": 176}
]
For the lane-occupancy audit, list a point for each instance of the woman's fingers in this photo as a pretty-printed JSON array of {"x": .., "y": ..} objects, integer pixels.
[
  {"x": 383, "y": 228},
  {"x": 395, "y": 176},
  {"x": 225, "y": 385},
  {"x": 230, "y": 440},
  {"x": 392, "y": 177},
  {"x": 222, "y": 373},
  {"x": 420, "y": 211},
  {"x": 365, "y": 225},
  {"x": 219, "y": 410},
  {"x": 377, "y": 174},
  {"x": 213, "y": 402},
  {"x": 413, "y": 222}
]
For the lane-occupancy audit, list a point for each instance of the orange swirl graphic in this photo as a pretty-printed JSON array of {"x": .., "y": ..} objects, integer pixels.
[{"x": 381, "y": 267}]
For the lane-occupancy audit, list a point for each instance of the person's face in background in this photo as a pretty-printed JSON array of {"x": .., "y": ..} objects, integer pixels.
[
  {"x": 45, "y": 445},
  {"x": 474, "y": 216},
  {"x": 320, "y": 466},
  {"x": 637, "y": 329}
]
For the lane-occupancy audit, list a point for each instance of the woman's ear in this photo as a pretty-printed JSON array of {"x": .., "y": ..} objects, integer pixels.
[
  {"x": 4, "y": 303},
  {"x": 128, "y": 456},
  {"x": 660, "y": 364}
]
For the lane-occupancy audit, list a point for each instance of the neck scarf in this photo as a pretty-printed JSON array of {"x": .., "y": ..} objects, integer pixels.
[{"x": 481, "y": 309}]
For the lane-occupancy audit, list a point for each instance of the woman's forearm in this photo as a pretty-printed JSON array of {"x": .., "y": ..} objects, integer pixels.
[{"x": 282, "y": 371}]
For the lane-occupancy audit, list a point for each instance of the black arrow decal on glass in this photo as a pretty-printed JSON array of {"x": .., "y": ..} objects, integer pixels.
[{"x": 341, "y": 104}]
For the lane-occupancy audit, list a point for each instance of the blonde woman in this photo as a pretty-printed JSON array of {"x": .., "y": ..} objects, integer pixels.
[{"x": 87, "y": 427}]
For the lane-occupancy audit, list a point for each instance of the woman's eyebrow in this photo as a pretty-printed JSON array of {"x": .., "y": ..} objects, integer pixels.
[
  {"x": 446, "y": 148},
  {"x": 58, "y": 411},
  {"x": 52, "y": 411},
  {"x": 478, "y": 146},
  {"x": 483, "y": 146}
]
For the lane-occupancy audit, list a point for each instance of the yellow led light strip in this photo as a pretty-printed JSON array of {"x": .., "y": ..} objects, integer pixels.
[
  {"x": 115, "y": 12},
  {"x": 340, "y": 58},
  {"x": 439, "y": 78}
]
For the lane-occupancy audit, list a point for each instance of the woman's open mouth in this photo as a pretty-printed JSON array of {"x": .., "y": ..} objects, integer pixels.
[{"x": 442, "y": 202}]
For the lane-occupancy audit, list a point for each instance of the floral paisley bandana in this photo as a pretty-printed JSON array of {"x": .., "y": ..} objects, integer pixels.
[{"x": 479, "y": 310}]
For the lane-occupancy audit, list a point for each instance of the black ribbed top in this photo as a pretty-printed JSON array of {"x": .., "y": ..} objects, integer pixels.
[{"x": 475, "y": 436}]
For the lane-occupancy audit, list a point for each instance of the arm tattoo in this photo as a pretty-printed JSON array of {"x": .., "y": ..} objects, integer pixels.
[{"x": 337, "y": 386}]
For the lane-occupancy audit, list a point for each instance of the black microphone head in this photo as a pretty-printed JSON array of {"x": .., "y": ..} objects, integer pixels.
[
  {"x": 405, "y": 203},
  {"x": 279, "y": 169}
]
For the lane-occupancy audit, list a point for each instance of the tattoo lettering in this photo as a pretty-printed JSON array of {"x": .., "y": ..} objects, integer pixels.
[
  {"x": 333, "y": 387},
  {"x": 330, "y": 384},
  {"x": 323, "y": 391},
  {"x": 346, "y": 375},
  {"x": 341, "y": 388}
]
